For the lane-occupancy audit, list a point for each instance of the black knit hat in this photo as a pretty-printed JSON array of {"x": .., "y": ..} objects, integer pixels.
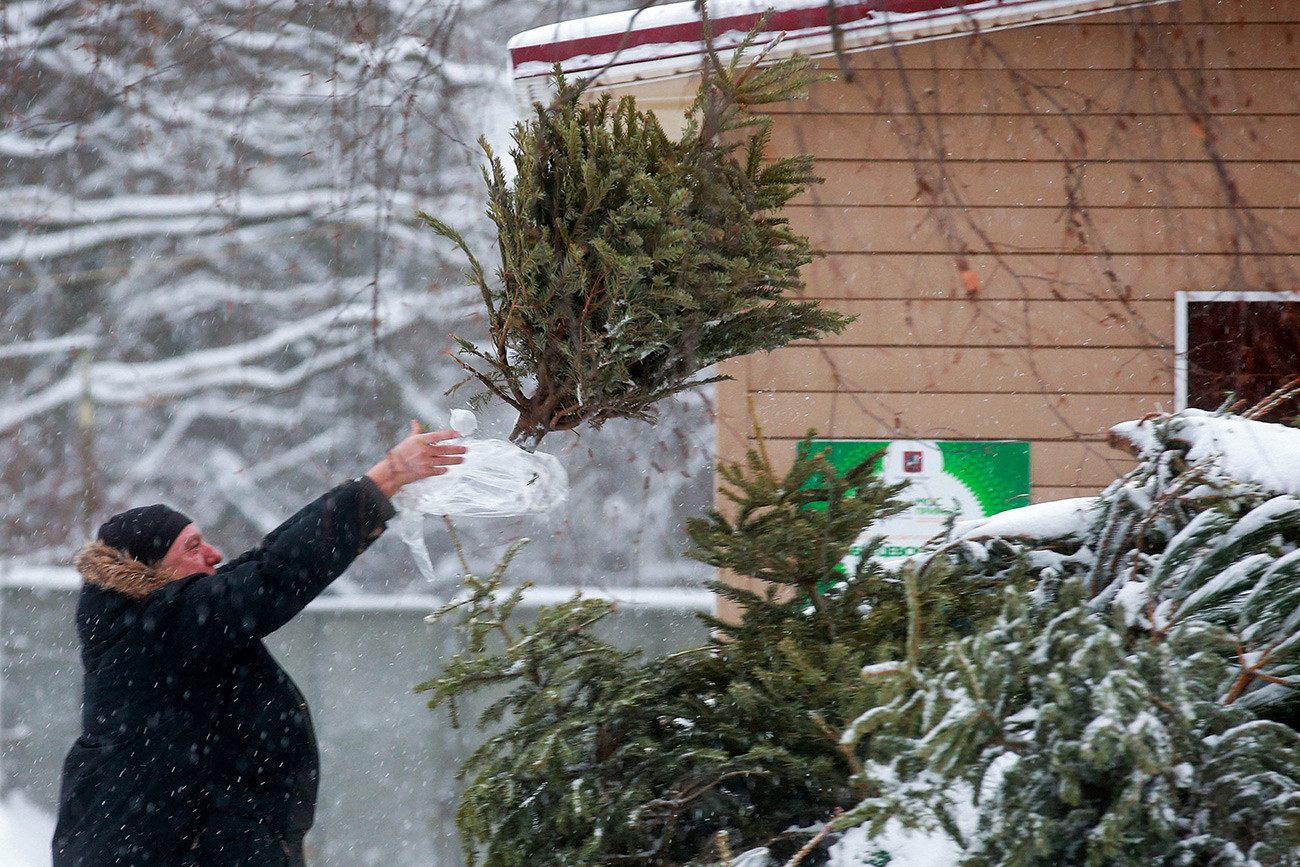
[{"x": 146, "y": 533}]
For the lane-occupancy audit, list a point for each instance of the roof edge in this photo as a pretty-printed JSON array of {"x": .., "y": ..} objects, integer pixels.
[{"x": 663, "y": 42}]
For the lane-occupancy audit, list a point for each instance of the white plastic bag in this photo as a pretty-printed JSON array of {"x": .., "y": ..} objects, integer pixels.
[{"x": 497, "y": 479}]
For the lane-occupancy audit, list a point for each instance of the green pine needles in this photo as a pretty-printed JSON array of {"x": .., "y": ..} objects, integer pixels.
[
  {"x": 631, "y": 261},
  {"x": 1134, "y": 704},
  {"x": 1082, "y": 747},
  {"x": 594, "y": 756},
  {"x": 1119, "y": 694}
]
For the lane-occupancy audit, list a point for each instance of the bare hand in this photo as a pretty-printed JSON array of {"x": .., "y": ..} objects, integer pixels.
[{"x": 419, "y": 456}]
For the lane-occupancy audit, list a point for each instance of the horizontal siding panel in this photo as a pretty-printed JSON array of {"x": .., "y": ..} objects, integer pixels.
[
  {"x": 1261, "y": 40},
  {"x": 999, "y": 322},
  {"x": 963, "y": 370},
  {"x": 1094, "y": 91},
  {"x": 1079, "y": 276},
  {"x": 1011, "y": 183},
  {"x": 939, "y": 416},
  {"x": 1088, "y": 465},
  {"x": 1030, "y": 229},
  {"x": 1049, "y": 494},
  {"x": 845, "y": 136}
]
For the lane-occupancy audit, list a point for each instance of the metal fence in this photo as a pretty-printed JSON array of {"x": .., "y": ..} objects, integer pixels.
[{"x": 388, "y": 763}]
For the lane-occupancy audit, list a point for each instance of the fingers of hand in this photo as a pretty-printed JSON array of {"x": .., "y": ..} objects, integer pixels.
[
  {"x": 442, "y": 455},
  {"x": 427, "y": 454},
  {"x": 438, "y": 449}
]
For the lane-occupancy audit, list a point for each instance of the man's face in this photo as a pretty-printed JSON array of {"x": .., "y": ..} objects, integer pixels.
[{"x": 189, "y": 554}]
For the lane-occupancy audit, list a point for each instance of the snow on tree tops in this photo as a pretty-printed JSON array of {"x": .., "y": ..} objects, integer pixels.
[
  {"x": 1250, "y": 451},
  {"x": 1232, "y": 447}
]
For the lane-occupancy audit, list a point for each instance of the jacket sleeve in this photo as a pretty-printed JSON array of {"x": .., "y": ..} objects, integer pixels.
[{"x": 206, "y": 617}]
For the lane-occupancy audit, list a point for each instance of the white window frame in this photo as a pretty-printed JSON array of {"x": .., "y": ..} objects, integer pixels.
[{"x": 1181, "y": 299}]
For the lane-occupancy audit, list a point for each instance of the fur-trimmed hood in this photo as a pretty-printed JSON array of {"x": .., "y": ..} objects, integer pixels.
[{"x": 111, "y": 569}]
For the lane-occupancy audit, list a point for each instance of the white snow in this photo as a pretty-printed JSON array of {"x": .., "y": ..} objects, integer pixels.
[
  {"x": 50, "y": 207},
  {"x": 1053, "y": 520},
  {"x": 644, "y": 597},
  {"x": 671, "y": 14},
  {"x": 1236, "y": 578},
  {"x": 751, "y": 858},
  {"x": 905, "y": 847},
  {"x": 17, "y": 574},
  {"x": 1131, "y": 600},
  {"x": 25, "y": 832},
  {"x": 648, "y": 598},
  {"x": 1249, "y": 451},
  {"x": 225, "y": 367}
]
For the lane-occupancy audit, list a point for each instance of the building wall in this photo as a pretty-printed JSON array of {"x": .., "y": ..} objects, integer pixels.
[{"x": 1010, "y": 215}]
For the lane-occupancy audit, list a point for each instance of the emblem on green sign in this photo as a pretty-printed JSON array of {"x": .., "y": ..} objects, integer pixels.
[{"x": 948, "y": 479}]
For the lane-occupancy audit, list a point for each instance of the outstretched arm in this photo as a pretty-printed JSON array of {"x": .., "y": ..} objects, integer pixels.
[{"x": 419, "y": 456}]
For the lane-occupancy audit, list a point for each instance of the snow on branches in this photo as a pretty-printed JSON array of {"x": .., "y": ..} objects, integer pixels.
[
  {"x": 1104, "y": 681},
  {"x": 1135, "y": 701}
]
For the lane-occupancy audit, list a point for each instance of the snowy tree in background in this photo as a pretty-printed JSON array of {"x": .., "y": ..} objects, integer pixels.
[{"x": 213, "y": 287}]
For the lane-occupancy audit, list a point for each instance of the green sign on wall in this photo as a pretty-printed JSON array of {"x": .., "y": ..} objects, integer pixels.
[{"x": 947, "y": 477}]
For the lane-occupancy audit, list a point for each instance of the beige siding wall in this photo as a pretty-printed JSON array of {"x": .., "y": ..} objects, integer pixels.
[{"x": 1010, "y": 215}]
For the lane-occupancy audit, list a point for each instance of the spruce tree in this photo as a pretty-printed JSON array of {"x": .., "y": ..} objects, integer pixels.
[
  {"x": 1119, "y": 710},
  {"x": 632, "y": 261},
  {"x": 594, "y": 756},
  {"x": 1109, "y": 695},
  {"x": 1083, "y": 746}
]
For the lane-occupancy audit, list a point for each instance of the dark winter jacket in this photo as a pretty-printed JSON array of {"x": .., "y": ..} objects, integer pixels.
[{"x": 187, "y": 720}]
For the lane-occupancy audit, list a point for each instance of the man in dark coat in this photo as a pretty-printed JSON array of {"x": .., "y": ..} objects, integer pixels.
[{"x": 196, "y": 747}]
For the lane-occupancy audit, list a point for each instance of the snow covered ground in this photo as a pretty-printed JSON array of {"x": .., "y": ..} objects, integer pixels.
[{"x": 25, "y": 832}]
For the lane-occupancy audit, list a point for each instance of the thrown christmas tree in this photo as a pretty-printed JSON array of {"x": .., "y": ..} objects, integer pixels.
[{"x": 630, "y": 261}]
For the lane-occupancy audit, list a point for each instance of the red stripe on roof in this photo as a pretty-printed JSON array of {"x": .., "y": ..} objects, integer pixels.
[{"x": 693, "y": 31}]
